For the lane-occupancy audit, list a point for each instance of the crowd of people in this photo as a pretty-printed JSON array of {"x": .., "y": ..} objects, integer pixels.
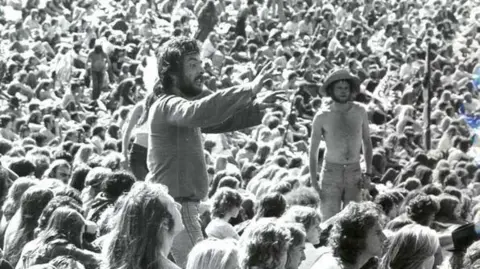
[{"x": 266, "y": 134}]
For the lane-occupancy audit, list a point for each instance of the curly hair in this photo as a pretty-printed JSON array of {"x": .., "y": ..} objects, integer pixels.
[
  {"x": 224, "y": 200},
  {"x": 421, "y": 208},
  {"x": 304, "y": 215},
  {"x": 472, "y": 255},
  {"x": 303, "y": 196},
  {"x": 170, "y": 57},
  {"x": 350, "y": 230},
  {"x": 263, "y": 244},
  {"x": 386, "y": 202}
]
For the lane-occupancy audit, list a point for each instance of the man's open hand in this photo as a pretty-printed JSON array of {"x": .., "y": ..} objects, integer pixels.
[{"x": 263, "y": 75}]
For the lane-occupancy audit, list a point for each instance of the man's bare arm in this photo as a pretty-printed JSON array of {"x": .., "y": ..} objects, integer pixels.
[
  {"x": 367, "y": 143},
  {"x": 314, "y": 146}
]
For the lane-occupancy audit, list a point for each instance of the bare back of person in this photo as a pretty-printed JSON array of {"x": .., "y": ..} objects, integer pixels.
[{"x": 342, "y": 132}]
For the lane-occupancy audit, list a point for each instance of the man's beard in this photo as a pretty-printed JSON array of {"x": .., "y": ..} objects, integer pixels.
[
  {"x": 337, "y": 100},
  {"x": 187, "y": 87}
]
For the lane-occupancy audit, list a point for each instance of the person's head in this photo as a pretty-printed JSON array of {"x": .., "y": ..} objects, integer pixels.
[
  {"x": 54, "y": 204},
  {"x": 93, "y": 181},
  {"x": 303, "y": 196},
  {"x": 180, "y": 67},
  {"x": 32, "y": 204},
  {"x": 450, "y": 208},
  {"x": 66, "y": 223},
  {"x": 147, "y": 221},
  {"x": 48, "y": 121},
  {"x": 83, "y": 154},
  {"x": 308, "y": 217},
  {"x": 265, "y": 245},
  {"x": 5, "y": 122},
  {"x": 213, "y": 253},
  {"x": 14, "y": 195},
  {"x": 343, "y": 89},
  {"x": 413, "y": 247},
  {"x": 422, "y": 209},
  {"x": 387, "y": 202},
  {"x": 270, "y": 205},
  {"x": 59, "y": 169},
  {"x": 78, "y": 177},
  {"x": 99, "y": 131},
  {"x": 296, "y": 251},
  {"x": 117, "y": 183},
  {"x": 22, "y": 167},
  {"x": 357, "y": 231}
]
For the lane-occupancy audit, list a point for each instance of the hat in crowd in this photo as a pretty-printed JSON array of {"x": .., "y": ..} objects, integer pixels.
[
  {"x": 463, "y": 237},
  {"x": 339, "y": 75}
]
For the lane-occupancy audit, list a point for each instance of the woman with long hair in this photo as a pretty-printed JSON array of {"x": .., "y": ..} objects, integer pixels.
[
  {"x": 143, "y": 230},
  {"x": 21, "y": 228},
  {"x": 62, "y": 236},
  {"x": 406, "y": 118},
  {"x": 83, "y": 155},
  {"x": 137, "y": 158},
  {"x": 413, "y": 247},
  {"x": 12, "y": 203}
]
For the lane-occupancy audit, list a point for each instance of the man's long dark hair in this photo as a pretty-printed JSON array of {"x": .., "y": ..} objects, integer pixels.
[{"x": 170, "y": 57}]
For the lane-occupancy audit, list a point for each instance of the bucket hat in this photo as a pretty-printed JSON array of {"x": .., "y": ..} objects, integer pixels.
[{"x": 339, "y": 75}]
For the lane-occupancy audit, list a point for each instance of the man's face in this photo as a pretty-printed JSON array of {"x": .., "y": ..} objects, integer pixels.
[
  {"x": 63, "y": 174},
  {"x": 190, "y": 81},
  {"x": 375, "y": 240},
  {"x": 296, "y": 255},
  {"x": 341, "y": 91}
]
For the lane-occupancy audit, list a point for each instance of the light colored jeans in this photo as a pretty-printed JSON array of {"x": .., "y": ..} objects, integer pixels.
[
  {"x": 190, "y": 236},
  {"x": 339, "y": 183}
]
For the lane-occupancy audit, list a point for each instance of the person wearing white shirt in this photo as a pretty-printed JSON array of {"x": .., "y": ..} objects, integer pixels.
[
  {"x": 471, "y": 105},
  {"x": 208, "y": 47},
  {"x": 305, "y": 27},
  {"x": 291, "y": 27},
  {"x": 406, "y": 70},
  {"x": 334, "y": 44}
]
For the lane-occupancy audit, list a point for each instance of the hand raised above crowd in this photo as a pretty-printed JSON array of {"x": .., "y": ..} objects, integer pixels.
[{"x": 264, "y": 74}]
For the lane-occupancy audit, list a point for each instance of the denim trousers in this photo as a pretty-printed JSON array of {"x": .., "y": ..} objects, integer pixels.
[
  {"x": 97, "y": 78},
  {"x": 138, "y": 161},
  {"x": 339, "y": 184},
  {"x": 190, "y": 236}
]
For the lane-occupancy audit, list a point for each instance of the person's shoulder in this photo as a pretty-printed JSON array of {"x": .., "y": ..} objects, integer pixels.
[
  {"x": 326, "y": 260},
  {"x": 359, "y": 107}
]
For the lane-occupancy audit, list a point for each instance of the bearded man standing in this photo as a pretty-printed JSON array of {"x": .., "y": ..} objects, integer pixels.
[
  {"x": 343, "y": 125},
  {"x": 177, "y": 119}
]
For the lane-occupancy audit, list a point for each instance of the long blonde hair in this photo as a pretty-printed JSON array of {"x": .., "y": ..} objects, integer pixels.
[
  {"x": 212, "y": 253},
  {"x": 410, "y": 248}
]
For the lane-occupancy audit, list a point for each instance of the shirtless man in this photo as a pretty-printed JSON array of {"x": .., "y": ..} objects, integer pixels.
[
  {"x": 98, "y": 62},
  {"x": 344, "y": 127}
]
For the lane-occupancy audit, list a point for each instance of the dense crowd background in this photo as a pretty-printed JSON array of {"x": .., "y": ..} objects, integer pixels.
[{"x": 73, "y": 71}]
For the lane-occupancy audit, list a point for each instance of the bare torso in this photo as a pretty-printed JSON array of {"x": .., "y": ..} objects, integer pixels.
[{"x": 342, "y": 132}]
